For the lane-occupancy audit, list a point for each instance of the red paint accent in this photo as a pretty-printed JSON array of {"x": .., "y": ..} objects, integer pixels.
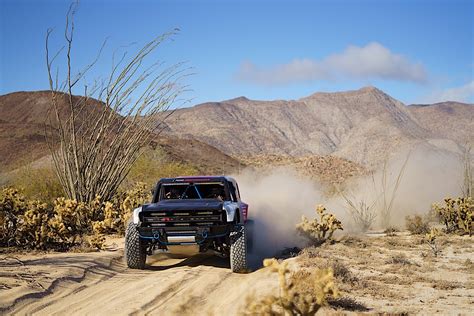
[
  {"x": 200, "y": 178},
  {"x": 245, "y": 210}
]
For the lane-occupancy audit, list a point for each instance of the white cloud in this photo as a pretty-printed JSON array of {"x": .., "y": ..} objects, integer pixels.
[
  {"x": 367, "y": 62},
  {"x": 463, "y": 93}
]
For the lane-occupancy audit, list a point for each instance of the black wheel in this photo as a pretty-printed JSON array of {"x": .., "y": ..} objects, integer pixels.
[
  {"x": 238, "y": 250},
  {"x": 249, "y": 234},
  {"x": 135, "y": 250}
]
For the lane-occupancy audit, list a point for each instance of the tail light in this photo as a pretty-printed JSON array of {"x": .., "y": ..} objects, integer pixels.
[{"x": 245, "y": 211}]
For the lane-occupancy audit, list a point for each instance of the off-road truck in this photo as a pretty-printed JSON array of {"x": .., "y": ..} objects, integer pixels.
[{"x": 205, "y": 211}]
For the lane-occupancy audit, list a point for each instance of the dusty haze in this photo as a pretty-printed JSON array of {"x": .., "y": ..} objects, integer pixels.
[{"x": 278, "y": 199}]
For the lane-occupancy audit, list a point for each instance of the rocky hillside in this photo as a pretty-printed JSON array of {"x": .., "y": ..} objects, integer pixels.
[
  {"x": 363, "y": 125},
  {"x": 325, "y": 169},
  {"x": 23, "y": 116}
]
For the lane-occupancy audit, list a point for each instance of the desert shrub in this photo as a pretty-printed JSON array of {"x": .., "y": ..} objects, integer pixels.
[
  {"x": 34, "y": 229},
  {"x": 22, "y": 222},
  {"x": 380, "y": 200},
  {"x": 318, "y": 232},
  {"x": 116, "y": 213},
  {"x": 391, "y": 231},
  {"x": 362, "y": 214},
  {"x": 152, "y": 165},
  {"x": 417, "y": 225},
  {"x": 400, "y": 259},
  {"x": 12, "y": 205},
  {"x": 97, "y": 240},
  {"x": 456, "y": 214},
  {"x": 341, "y": 271},
  {"x": 431, "y": 239},
  {"x": 389, "y": 188},
  {"x": 63, "y": 223},
  {"x": 468, "y": 179},
  {"x": 70, "y": 220},
  {"x": 301, "y": 293},
  {"x": 37, "y": 183}
]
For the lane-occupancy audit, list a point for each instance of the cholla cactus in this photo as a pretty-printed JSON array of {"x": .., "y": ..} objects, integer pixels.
[
  {"x": 12, "y": 204},
  {"x": 70, "y": 220},
  {"x": 302, "y": 293},
  {"x": 34, "y": 229},
  {"x": 431, "y": 239},
  {"x": 35, "y": 224},
  {"x": 133, "y": 198},
  {"x": 97, "y": 240},
  {"x": 456, "y": 214},
  {"x": 319, "y": 231},
  {"x": 116, "y": 213}
]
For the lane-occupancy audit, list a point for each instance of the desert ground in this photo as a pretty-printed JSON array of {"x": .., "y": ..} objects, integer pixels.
[{"x": 375, "y": 273}]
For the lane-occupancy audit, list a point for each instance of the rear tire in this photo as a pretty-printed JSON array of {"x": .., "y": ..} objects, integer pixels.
[
  {"x": 249, "y": 234},
  {"x": 238, "y": 250},
  {"x": 135, "y": 249}
]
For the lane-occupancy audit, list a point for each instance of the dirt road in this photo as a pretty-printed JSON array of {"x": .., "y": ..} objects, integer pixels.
[
  {"x": 375, "y": 273},
  {"x": 100, "y": 284}
]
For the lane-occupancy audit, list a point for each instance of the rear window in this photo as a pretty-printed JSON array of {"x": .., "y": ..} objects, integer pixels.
[{"x": 202, "y": 190}]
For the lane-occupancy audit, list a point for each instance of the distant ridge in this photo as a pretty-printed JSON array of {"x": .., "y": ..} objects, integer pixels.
[
  {"x": 22, "y": 121},
  {"x": 361, "y": 125}
]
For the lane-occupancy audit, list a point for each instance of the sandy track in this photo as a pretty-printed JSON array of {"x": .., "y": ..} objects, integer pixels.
[
  {"x": 100, "y": 283},
  {"x": 383, "y": 274}
]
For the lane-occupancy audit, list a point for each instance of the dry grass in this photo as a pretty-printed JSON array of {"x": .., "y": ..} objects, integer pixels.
[
  {"x": 397, "y": 274},
  {"x": 417, "y": 225},
  {"x": 153, "y": 165},
  {"x": 39, "y": 183},
  {"x": 302, "y": 292},
  {"x": 400, "y": 259}
]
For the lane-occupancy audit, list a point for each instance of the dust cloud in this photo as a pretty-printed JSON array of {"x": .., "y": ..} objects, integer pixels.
[
  {"x": 279, "y": 198},
  {"x": 429, "y": 176}
]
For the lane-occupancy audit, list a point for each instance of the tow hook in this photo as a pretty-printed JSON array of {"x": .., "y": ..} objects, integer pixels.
[
  {"x": 202, "y": 234},
  {"x": 156, "y": 234}
]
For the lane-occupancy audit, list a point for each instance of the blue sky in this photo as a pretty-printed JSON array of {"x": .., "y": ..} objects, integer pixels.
[{"x": 416, "y": 51}]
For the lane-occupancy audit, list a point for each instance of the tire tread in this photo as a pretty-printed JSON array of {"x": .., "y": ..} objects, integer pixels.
[{"x": 135, "y": 251}]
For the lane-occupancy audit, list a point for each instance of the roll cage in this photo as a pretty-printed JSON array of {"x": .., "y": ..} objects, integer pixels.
[{"x": 192, "y": 188}]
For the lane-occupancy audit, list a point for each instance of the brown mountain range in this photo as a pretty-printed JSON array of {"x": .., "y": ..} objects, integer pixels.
[
  {"x": 23, "y": 116},
  {"x": 362, "y": 125}
]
